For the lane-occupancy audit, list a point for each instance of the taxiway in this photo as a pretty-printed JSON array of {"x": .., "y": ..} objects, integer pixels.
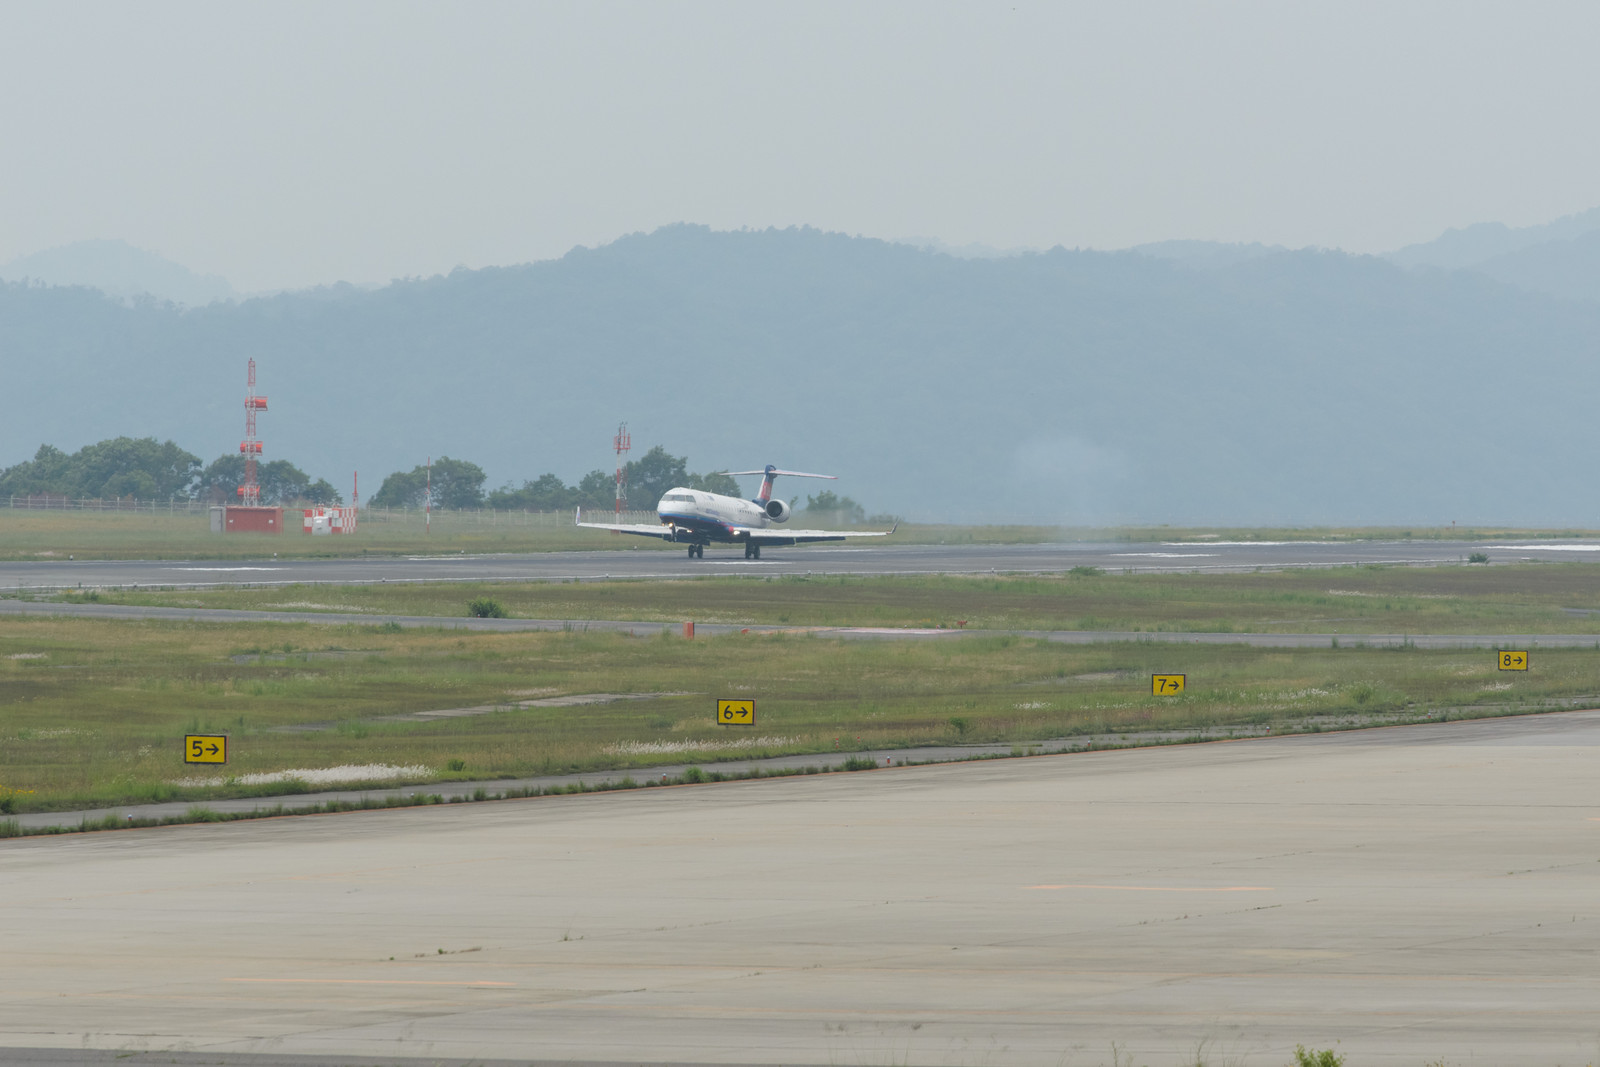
[{"x": 1404, "y": 895}]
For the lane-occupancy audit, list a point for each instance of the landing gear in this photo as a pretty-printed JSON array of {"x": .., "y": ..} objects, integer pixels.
[
  {"x": 697, "y": 551},
  {"x": 752, "y": 550}
]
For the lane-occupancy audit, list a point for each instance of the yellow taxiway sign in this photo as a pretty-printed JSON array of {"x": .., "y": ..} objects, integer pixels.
[
  {"x": 1165, "y": 685},
  {"x": 736, "y": 712},
  {"x": 205, "y": 748}
]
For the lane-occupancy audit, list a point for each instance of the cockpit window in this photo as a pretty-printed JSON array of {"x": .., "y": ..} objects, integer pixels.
[{"x": 680, "y": 498}]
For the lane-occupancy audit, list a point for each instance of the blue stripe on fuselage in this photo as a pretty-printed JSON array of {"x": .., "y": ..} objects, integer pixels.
[{"x": 715, "y": 529}]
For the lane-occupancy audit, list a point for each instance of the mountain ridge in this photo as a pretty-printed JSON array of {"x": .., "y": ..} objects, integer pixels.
[{"x": 1296, "y": 387}]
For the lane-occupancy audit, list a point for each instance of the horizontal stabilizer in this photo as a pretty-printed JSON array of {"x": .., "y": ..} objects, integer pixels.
[{"x": 772, "y": 471}]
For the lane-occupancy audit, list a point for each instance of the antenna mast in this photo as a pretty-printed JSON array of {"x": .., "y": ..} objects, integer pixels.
[
  {"x": 250, "y": 491},
  {"x": 622, "y": 442}
]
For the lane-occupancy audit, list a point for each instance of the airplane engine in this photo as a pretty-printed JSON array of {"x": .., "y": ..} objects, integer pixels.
[{"x": 778, "y": 511}]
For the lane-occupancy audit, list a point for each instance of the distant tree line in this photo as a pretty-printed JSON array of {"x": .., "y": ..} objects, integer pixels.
[
  {"x": 459, "y": 484},
  {"x": 281, "y": 482},
  {"x": 828, "y": 507},
  {"x": 146, "y": 469}
]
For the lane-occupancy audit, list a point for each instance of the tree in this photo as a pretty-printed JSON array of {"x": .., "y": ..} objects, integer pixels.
[
  {"x": 142, "y": 467},
  {"x": 281, "y": 482},
  {"x": 402, "y": 489},
  {"x": 546, "y": 493},
  {"x": 321, "y": 492},
  {"x": 714, "y": 483},
  {"x": 826, "y": 506},
  {"x": 597, "y": 489},
  {"x": 456, "y": 484},
  {"x": 650, "y": 476},
  {"x": 220, "y": 480}
]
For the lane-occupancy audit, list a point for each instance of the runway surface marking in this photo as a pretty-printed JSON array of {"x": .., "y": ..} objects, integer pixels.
[
  {"x": 1168, "y": 888},
  {"x": 224, "y": 570},
  {"x": 361, "y": 981}
]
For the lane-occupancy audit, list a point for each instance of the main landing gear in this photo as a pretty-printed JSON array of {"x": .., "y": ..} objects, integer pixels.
[
  {"x": 697, "y": 551},
  {"x": 752, "y": 550}
]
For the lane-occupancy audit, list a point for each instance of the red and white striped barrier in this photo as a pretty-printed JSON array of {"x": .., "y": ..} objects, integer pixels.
[{"x": 329, "y": 521}]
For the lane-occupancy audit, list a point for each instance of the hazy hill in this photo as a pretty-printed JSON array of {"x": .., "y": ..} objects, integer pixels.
[
  {"x": 1569, "y": 269},
  {"x": 1560, "y": 258},
  {"x": 1483, "y": 241},
  {"x": 1067, "y": 386},
  {"x": 1207, "y": 255},
  {"x": 120, "y": 270}
]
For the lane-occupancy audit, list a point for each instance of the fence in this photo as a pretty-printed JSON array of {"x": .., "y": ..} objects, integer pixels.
[
  {"x": 51, "y": 502},
  {"x": 493, "y": 517}
]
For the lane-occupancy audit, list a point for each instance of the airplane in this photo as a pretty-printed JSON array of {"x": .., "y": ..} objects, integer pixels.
[{"x": 697, "y": 518}]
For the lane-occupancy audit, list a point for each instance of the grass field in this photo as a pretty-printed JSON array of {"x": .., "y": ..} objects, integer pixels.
[
  {"x": 1522, "y": 598},
  {"x": 30, "y": 534},
  {"x": 93, "y": 712}
]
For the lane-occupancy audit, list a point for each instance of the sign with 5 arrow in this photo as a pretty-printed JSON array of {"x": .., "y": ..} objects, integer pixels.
[{"x": 205, "y": 748}]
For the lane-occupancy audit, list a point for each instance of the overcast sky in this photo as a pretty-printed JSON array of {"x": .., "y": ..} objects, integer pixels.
[{"x": 287, "y": 144}]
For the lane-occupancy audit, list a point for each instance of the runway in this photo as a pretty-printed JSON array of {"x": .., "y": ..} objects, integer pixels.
[
  {"x": 1407, "y": 895},
  {"x": 651, "y": 562}
]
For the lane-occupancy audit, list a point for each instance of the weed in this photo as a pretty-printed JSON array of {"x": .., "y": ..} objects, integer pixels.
[
  {"x": 485, "y": 608},
  {"x": 1304, "y": 1057}
]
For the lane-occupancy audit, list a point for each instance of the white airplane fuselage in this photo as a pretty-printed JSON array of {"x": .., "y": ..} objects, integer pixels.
[{"x": 712, "y": 515}]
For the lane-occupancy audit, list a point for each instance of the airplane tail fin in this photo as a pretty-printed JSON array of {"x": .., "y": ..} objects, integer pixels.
[{"x": 769, "y": 472}]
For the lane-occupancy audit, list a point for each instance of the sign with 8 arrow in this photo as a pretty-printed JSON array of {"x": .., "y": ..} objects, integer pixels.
[{"x": 205, "y": 748}]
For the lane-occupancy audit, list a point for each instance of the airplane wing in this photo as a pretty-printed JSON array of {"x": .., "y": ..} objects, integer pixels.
[
  {"x": 773, "y": 536},
  {"x": 639, "y": 528}
]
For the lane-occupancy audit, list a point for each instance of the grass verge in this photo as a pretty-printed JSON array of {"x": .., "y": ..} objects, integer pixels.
[{"x": 93, "y": 713}]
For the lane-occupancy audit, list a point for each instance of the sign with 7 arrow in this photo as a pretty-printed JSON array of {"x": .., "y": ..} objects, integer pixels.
[{"x": 205, "y": 748}]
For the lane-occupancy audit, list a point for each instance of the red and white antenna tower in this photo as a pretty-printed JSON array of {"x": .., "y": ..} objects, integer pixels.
[
  {"x": 250, "y": 491},
  {"x": 622, "y": 442}
]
